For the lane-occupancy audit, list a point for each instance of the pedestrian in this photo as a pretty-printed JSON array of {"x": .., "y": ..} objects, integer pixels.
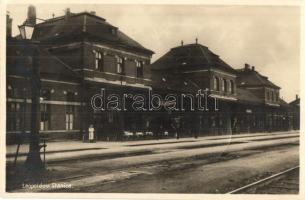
[{"x": 91, "y": 133}]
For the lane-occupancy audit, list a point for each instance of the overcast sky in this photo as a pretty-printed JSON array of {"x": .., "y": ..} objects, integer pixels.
[{"x": 267, "y": 37}]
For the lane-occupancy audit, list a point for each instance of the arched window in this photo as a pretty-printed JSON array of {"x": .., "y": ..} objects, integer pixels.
[
  {"x": 216, "y": 83},
  {"x": 232, "y": 86}
]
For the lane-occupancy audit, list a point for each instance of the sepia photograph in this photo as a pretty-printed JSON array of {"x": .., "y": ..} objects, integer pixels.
[{"x": 152, "y": 98}]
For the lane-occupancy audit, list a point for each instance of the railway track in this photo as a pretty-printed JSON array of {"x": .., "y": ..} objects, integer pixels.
[{"x": 285, "y": 182}]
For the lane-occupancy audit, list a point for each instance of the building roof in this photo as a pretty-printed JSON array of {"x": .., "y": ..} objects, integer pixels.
[
  {"x": 295, "y": 102},
  {"x": 191, "y": 57},
  {"x": 19, "y": 58},
  {"x": 250, "y": 77},
  {"x": 95, "y": 28},
  {"x": 283, "y": 103},
  {"x": 245, "y": 96}
]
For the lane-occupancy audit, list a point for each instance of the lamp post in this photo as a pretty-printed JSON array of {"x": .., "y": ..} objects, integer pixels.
[
  {"x": 33, "y": 160},
  {"x": 26, "y": 31}
]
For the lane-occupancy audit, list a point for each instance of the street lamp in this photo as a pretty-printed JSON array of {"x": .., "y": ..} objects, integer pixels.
[
  {"x": 33, "y": 160},
  {"x": 26, "y": 31}
]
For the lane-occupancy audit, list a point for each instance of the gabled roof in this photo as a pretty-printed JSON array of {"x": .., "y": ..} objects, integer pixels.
[
  {"x": 75, "y": 26},
  {"x": 249, "y": 77},
  {"x": 191, "y": 57}
]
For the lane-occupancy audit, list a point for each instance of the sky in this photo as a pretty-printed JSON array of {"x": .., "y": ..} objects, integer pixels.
[{"x": 267, "y": 37}]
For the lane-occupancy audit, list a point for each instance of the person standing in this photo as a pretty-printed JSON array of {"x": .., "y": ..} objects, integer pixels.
[{"x": 91, "y": 133}]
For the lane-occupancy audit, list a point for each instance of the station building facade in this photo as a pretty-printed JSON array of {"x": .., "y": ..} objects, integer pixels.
[
  {"x": 79, "y": 54},
  {"x": 246, "y": 100}
]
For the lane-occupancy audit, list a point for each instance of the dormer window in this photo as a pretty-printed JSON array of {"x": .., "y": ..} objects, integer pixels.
[
  {"x": 99, "y": 60},
  {"x": 120, "y": 65},
  {"x": 113, "y": 31},
  {"x": 140, "y": 67}
]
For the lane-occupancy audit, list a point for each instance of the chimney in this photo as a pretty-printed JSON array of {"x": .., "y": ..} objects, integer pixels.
[
  {"x": 92, "y": 12},
  {"x": 253, "y": 68},
  {"x": 9, "y": 22},
  {"x": 296, "y": 97},
  {"x": 31, "y": 20},
  {"x": 181, "y": 42},
  {"x": 247, "y": 66},
  {"x": 196, "y": 40},
  {"x": 67, "y": 13}
]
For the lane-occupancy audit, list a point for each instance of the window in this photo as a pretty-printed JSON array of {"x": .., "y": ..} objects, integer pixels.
[
  {"x": 9, "y": 92},
  {"x": 113, "y": 31},
  {"x": 224, "y": 85},
  {"x": 272, "y": 96},
  {"x": 268, "y": 95},
  {"x": 14, "y": 116},
  {"x": 70, "y": 117},
  {"x": 232, "y": 86},
  {"x": 110, "y": 117},
  {"x": 45, "y": 117},
  {"x": 216, "y": 83},
  {"x": 139, "y": 65},
  {"x": 12, "y": 91},
  {"x": 99, "y": 60},
  {"x": 120, "y": 65}
]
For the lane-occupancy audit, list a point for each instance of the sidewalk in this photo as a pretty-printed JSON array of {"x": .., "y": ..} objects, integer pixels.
[{"x": 69, "y": 150}]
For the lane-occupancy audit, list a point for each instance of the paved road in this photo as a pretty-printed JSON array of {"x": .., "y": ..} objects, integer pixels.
[{"x": 212, "y": 165}]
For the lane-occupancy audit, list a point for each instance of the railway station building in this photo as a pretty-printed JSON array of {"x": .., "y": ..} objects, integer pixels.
[{"x": 78, "y": 54}]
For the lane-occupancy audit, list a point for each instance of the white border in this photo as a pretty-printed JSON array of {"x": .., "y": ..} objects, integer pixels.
[{"x": 150, "y": 196}]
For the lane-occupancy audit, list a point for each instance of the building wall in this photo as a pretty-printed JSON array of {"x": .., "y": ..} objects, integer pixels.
[
  {"x": 223, "y": 75},
  {"x": 110, "y": 59},
  {"x": 53, "y": 110}
]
